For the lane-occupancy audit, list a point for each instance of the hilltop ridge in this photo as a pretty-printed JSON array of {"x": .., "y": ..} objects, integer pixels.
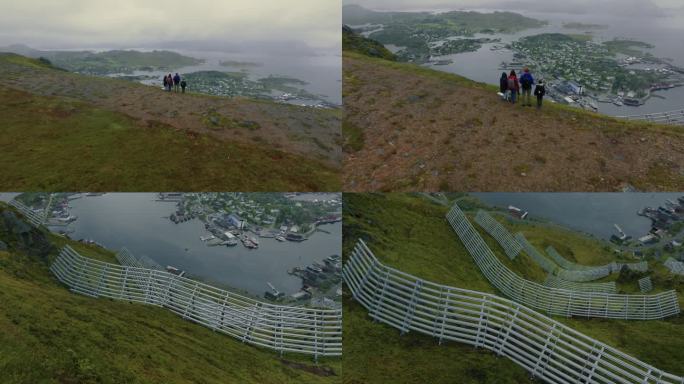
[
  {"x": 129, "y": 133},
  {"x": 51, "y": 335},
  {"x": 412, "y": 128}
]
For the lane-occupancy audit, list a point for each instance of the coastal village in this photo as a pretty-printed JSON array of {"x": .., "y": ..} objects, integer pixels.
[
  {"x": 243, "y": 219},
  {"x": 582, "y": 73},
  {"x": 665, "y": 237},
  {"x": 234, "y": 219}
]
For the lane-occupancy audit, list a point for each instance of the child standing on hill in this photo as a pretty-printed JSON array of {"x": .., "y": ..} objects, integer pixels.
[
  {"x": 183, "y": 84},
  {"x": 503, "y": 86},
  {"x": 539, "y": 92}
]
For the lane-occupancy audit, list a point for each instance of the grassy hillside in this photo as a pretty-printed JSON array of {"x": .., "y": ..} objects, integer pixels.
[
  {"x": 50, "y": 335},
  {"x": 409, "y": 232},
  {"x": 411, "y": 128},
  {"x": 356, "y": 43},
  {"x": 63, "y": 131}
]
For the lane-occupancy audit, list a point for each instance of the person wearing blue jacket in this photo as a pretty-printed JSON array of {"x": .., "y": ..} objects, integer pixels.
[
  {"x": 176, "y": 82},
  {"x": 526, "y": 83}
]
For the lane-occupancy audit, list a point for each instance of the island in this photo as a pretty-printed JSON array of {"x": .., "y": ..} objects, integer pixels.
[
  {"x": 107, "y": 62},
  {"x": 419, "y": 36},
  {"x": 581, "y": 71}
]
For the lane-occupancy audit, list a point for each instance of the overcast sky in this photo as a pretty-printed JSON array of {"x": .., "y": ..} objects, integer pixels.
[
  {"x": 614, "y": 7},
  {"x": 134, "y": 23}
]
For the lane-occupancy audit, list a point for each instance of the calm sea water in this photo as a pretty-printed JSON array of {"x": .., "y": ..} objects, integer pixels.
[
  {"x": 667, "y": 34},
  {"x": 138, "y": 222},
  {"x": 593, "y": 213},
  {"x": 323, "y": 73}
]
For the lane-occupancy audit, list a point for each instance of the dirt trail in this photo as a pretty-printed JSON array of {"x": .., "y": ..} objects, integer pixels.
[
  {"x": 301, "y": 130},
  {"x": 429, "y": 132}
]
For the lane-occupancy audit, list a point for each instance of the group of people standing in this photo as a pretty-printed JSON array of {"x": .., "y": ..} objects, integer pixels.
[
  {"x": 174, "y": 82},
  {"x": 510, "y": 87}
]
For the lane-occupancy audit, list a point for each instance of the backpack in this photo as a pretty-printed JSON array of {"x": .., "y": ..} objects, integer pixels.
[
  {"x": 511, "y": 84},
  {"x": 526, "y": 80}
]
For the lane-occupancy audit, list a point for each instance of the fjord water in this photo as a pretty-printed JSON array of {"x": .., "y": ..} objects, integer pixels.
[
  {"x": 665, "y": 33},
  {"x": 592, "y": 213},
  {"x": 322, "y": 72},
  {"x": 138, "y": 222}
]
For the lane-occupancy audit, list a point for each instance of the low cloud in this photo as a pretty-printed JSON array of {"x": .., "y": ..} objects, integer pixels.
[{"x": 133, "y": 23}]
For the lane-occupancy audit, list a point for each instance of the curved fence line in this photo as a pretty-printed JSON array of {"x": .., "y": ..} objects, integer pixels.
[
  {"x": 544, "y": 347},
  {"x": 676, "y": 267},
  {"x": 670, "y": 117},
  {"x": 36, "y": 219},
  {"x": 557, "y": 282},
  {"x": 282, "y": 328},
  {"x": 645, "y": 284},
  {"x": 541, "y": 260},
  {"x": 126, "y": 258},
  {"x": 509, "y": 244},
  {"x": 561, "y": 302}
]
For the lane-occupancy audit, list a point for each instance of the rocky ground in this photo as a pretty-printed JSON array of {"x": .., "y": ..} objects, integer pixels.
[{"x": 408, "y": 128}]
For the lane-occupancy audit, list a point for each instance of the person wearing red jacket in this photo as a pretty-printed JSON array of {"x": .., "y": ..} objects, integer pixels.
[{"x": 513, "y": 86}]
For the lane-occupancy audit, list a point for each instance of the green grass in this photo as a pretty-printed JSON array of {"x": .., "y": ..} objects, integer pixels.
[
  {"x": 353, "y": 137},
  {"x": 411, "y": 233},
  {"x": 51, "y": 143},
  {"x": 583, "y": 118},
  {"x": 50, "y": 335}
]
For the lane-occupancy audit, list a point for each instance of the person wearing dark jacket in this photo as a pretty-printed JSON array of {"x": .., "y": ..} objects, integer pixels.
[
  {"x": 539, "y": 92},
  {"x": 183, "y": 84},
  {"x": 176, "y": 82},
  {"x": 503, "y": 86},
  {"x": 513, "y": 86},
  {"x": 526, "y": 82}
]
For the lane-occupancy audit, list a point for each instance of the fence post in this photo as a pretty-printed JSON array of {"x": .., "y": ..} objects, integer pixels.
[{"x": 412, "y": 307}]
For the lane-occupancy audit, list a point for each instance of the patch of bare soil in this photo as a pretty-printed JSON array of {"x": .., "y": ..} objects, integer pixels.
[
  {"x": 315, "y": 369},
  {"x": 427, "y": 133}
]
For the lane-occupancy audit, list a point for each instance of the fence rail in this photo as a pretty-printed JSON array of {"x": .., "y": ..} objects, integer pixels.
[
  {"x": 676, "y": 267},
  {"x": 541, "y": 260},
  {"x": 645, "y": 284},
  {"x": 36, "y": 219},
  {"x": 509, "y": 244},
  {"x": 555, "y": 301},
  {"x": 126, "y": 258},
  {"x": 544, "y": 347},
  {"x": 670, "y": 117},
  {"x": 557, "y": 282},
  {"x": 316, "y": 332}
]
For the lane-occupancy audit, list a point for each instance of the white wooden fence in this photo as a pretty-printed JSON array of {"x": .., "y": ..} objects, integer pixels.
[
  {"x": 555, "y": 301},
  {"x": 35, "y": 218},
  {"x": 509, "y": 244},
  {"x": 676, "y": 267},
  {"x": 544, "y": 347},
  {"x": 669, "y": 117},
  {"x": 541, "y": 260},
  {"x": 316, "y": 332},
  {"x": 126, "y": 258},
  {"x": 645, "y": 284},
  {"x": 557, "y": 282}
]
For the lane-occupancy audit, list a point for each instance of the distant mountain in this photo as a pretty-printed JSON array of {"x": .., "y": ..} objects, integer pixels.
[
  {"x": 106, "y": 62},
  {"x": 352, "y": 41}
]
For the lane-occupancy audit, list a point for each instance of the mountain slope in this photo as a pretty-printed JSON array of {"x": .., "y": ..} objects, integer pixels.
[
  {"x": 354, "y": 42},
  {"x": 136, "y": 136},
  {"x": 411, "y": 234},
  {"x": 412, "y": 128},
  {"x": 50, "y": 335}
]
